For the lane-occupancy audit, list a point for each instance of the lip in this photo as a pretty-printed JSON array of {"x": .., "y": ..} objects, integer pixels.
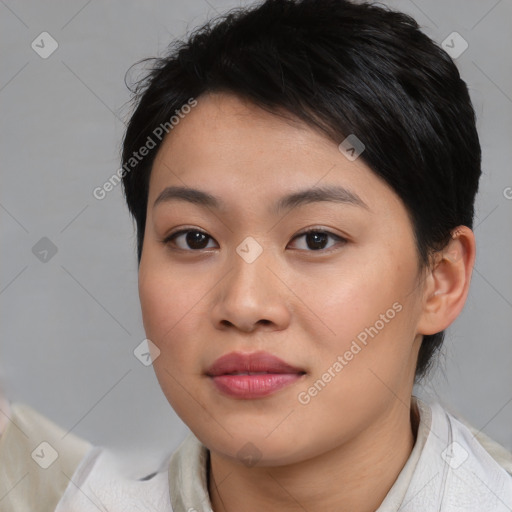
[{"x": 265, "y": 374}]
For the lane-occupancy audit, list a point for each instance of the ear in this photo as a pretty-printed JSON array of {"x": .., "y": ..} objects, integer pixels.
[{"x": 447, "y": 284}]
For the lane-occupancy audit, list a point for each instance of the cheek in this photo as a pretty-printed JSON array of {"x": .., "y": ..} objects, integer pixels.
[
  {"x": 367, "y": 309},
  {"x": 157, "y": 305},
  {"x": 357, "y": 291},
  {"x": 163, "y": 305},
  {"x": 171, "y": 305},
  {"x": 166, "y": 317}
]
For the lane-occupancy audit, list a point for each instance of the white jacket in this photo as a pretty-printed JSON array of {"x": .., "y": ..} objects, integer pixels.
[{"x": 449, "y": 470}]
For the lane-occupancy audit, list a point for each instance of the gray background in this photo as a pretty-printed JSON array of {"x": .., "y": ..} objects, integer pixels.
[{"x": 69, "y": 325}]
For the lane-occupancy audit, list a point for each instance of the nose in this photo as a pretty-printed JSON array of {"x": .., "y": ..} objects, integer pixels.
[{"x": 253, "y": 295}]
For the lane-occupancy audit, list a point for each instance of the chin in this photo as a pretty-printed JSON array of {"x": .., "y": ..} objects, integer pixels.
[{"x": 254, "y": 447}]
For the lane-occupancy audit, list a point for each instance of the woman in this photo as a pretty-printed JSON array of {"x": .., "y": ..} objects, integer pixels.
[{"x": 302, "y": 175}]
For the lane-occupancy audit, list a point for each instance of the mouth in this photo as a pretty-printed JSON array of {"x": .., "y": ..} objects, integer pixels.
[
  {"x": 250, "y": 376},
  {"x": 247, "y": 373}
]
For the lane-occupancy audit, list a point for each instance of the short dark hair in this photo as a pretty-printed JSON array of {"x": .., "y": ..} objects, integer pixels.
[{"x": 343, "y": 68}]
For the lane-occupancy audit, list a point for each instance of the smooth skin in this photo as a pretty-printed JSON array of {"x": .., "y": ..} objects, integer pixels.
[{"x": 200, "y": 299}]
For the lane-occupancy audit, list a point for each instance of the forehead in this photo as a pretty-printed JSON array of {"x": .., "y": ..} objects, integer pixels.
[{"x": 233, "y": 149}]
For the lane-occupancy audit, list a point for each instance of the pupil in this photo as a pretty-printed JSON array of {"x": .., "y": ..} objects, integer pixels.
[
  {"x": 318, "y": 239},
  {"x": 194, "y": 239}
]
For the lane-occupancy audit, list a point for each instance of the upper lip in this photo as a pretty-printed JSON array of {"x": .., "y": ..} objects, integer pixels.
[{"x": 237, "y": 362}]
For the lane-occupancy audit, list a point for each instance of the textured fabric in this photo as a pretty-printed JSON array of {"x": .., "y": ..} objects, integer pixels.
[
  {"x": 100, "y": 484},
  {"x": 454, "y": 473},
  {"x": 447, "y": 471},
  {"x": 499, "y": 453},
  {"x": 33, "y": 476},
  {"x": 188, "y": 482}
]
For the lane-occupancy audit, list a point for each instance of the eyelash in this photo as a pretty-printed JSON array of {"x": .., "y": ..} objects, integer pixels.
[{"x": 170, "y": 238}]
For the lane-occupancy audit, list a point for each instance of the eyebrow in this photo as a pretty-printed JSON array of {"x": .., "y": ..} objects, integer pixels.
[{"x": 329, "y": 193}]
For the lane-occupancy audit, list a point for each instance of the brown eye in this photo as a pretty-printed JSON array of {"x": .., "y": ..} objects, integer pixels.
[
  {"x": 317, "y": 239},
  {"x": 194, "y": 239}
]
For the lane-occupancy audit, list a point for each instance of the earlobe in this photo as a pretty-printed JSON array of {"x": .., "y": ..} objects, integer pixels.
[{"x": 447, "y": 284}]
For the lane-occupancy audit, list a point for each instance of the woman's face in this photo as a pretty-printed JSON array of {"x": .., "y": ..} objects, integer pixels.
[{"x": 341, "y": 305}]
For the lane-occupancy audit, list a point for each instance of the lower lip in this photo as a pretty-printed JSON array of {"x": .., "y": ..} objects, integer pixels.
[{"x": 254, "y": 386}]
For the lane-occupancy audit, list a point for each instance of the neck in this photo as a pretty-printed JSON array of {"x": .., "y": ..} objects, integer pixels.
[{"x": 355, "y": 476}]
